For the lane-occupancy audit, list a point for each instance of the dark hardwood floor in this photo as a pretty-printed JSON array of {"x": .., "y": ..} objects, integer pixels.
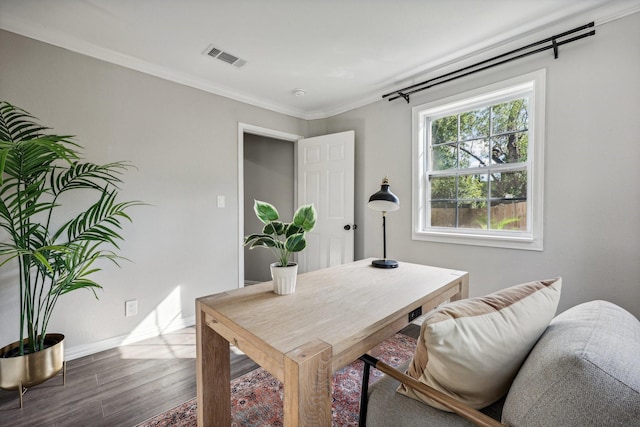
[{"x": 119, "y": 387}]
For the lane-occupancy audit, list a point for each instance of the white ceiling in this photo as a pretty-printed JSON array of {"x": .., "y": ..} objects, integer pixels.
[{"x": 343, "y": 53}]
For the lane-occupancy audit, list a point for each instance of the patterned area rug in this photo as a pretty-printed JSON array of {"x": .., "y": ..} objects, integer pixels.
[{"x": 256, "y": 397}]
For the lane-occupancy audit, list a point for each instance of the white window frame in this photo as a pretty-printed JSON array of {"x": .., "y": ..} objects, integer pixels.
[{"x": 532, "y": 84}]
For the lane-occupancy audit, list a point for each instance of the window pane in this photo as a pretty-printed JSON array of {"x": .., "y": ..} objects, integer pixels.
[
  {"x": 443, "y": 188},
  {"x": 474, "y": 153},
  {"x": 510, "y": 116},
  {"x": 472, "y": 215},
  {"x": 474, "y": 124},
  {"x": 444, "y": 130},
  {"x": 511, "y": 148},
  {"x": 509, "y": 185},
  {"x": 443, "y": 214},
  {"x": 444, "y": 157},
  {"x": 473, "y": 187},
  {"x": 509, "y": 215}
]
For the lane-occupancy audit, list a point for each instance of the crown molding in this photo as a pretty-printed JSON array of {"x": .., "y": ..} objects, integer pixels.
[{"x": 55, "y": 38}]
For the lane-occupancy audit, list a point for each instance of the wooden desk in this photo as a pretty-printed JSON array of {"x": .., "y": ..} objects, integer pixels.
[{"x": 335, "y": 315}]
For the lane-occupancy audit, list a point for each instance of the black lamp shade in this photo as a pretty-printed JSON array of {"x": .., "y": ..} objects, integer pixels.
[{"x": 384, "y": 200}]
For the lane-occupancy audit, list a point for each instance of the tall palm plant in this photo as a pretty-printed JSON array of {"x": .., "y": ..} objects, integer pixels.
[{"x": 55, "y": 255}]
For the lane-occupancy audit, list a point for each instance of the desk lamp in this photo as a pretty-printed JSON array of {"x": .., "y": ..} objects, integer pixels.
[{"x": 384, "y": 201}]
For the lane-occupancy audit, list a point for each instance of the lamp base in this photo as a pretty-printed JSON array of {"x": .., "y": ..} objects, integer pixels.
[{"x": 384, "y": 263}]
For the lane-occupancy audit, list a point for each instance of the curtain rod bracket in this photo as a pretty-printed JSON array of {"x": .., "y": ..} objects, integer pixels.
[
  {"x": 554, "y": 43},
  {"x": 405, "y": 96}
]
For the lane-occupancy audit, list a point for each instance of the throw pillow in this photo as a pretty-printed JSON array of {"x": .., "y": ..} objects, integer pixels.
[{"x": 472, "y": 349}]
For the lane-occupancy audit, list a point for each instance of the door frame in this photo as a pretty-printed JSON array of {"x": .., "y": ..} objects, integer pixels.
[{"x": 270, "y": 133}]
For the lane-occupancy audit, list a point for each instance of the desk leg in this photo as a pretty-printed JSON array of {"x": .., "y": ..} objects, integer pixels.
[
  {"x": 307, "y": 385},
  {"x": 464, "y": 289},
  {"x": 213, "y": 375}
]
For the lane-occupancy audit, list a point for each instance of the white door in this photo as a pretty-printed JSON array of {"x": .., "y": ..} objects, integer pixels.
[{"x": 325, "y": 178}]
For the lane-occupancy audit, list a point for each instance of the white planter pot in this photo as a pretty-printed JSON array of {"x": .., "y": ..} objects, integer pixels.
[{"x": 284, "y": 278}]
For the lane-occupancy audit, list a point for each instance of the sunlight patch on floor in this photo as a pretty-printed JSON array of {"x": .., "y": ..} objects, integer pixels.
[{"x": 160, "y": 324}]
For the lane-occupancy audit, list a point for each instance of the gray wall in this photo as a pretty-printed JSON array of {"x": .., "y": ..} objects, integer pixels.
[
  {"x": 268, "y": 176},
  {"x": 184, "y": 143},
  {"x": 592, "y": 179}
]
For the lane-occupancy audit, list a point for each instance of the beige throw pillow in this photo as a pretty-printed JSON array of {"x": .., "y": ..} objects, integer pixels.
[{"x": 472, "y": 349}]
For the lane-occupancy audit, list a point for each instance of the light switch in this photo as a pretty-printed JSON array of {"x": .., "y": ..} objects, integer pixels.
[{"x": 221, "y": 201}]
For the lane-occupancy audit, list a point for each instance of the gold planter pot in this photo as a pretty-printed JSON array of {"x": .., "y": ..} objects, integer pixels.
[{"x": 22, "y": 372}]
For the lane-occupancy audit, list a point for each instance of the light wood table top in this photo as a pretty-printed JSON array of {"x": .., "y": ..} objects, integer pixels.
[{"x": 335, "y": 315}]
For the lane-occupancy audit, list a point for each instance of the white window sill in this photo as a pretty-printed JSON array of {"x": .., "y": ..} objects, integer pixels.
[{"x": 518, "y": 241}]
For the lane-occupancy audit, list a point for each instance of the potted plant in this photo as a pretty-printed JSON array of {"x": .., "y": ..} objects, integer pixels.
[
  {"x": 283, "y": 239},
  {"x": 54, "y": 251}
]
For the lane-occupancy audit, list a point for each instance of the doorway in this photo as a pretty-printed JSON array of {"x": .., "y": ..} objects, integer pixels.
[
  {"x": 268, "y": 176},
  {"x": 267, "y": 171}
]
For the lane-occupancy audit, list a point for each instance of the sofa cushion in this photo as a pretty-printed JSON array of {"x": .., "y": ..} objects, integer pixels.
[
  {"x": 472, "y": 349},
  {"x": 584, "y": 371},
  {"x": 387, "y": 408}
]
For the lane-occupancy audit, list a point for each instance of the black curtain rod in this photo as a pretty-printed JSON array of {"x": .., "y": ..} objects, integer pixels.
[{"x": 491, "y": 62}]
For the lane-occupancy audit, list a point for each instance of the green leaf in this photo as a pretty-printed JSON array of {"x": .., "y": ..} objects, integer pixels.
[
  {"x": 251, "y": 237},
  {"x": 99, "y": 222},
  {"x": 295, "y": 243},
  {"x": 265, "y": 212},
  {"x": 293, "y": 229},
  {"x": 260, "y": 240},
  {"x": 86, "y": 175},
  {"x": 3, "y": 160},
  {"x": 276, "y": 227},
  {"x": 81, "y": 284},
  {"x": 264, "y": 242},
  {"x": 305, "y": 217}
]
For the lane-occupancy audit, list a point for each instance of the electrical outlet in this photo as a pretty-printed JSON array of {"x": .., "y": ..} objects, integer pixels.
[
  {"x": 131, "y": 307},
  {"x": 415, "y": 314}
]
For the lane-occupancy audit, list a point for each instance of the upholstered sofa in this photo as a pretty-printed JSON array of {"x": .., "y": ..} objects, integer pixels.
[{"x": 584, "y": 370}]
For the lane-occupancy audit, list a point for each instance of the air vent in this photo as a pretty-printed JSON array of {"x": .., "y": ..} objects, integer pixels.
[{"x": 214, "y": 52}]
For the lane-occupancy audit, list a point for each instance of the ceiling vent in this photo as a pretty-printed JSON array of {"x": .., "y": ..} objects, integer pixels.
[{"x": 214, "y": 52}]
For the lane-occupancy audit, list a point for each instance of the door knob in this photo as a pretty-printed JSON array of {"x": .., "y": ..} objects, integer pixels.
[{"x": 347, "y": 227}]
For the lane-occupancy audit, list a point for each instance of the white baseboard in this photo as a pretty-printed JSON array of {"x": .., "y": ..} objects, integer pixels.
[{"x": 135, "y": 336}]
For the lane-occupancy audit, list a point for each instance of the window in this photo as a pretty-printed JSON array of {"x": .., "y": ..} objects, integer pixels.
[{"x": 478, "y": 160}]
